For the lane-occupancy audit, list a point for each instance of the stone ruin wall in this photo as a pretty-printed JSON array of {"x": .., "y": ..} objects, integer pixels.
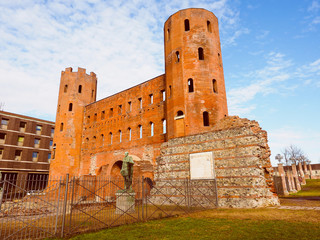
[{"x": 241, "y": 157}]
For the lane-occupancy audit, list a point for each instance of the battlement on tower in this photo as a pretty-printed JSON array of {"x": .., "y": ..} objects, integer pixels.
[{"x": 80, "y": 70}]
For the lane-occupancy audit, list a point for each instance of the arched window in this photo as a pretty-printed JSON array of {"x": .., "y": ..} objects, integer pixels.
[
  {"x": 177, "y": 56},
  {"x": 140, "y": 131},
  {"x": 190, "y": 85},
  {"x": 61, "y": 127},
  {"x": 102, "y": 139},
  {"x": 200, "y": 52},
  {"x": 170, "y": 91},
  {"x": 70, "y": 107},
  {"x": 110, "y": 137},
  {"x": 151, "y": 129},
  {"x": 179, "y": 113},
  {"x": 208, "y": 26},
  {"x": 164, "y": 126},
  {"x": 214, "y": 86},
  {"x": 120, "y": 136},
  {"x": 205, "y": 118},
  {"x": 65, "y": 88},
  {"x": 94, "y": 138},
  {"x": 80, "y": 89},
  {"x": 186, "y": 25},
  {"x": 129, "y": 132},
  {"x": 168, "y": 34}
]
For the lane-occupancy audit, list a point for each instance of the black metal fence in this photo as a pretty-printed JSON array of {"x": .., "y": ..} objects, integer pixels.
[{"x": 38, "y": 207}]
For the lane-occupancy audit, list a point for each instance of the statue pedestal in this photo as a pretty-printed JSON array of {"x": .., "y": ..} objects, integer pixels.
[{"x": 125, "y": 203}]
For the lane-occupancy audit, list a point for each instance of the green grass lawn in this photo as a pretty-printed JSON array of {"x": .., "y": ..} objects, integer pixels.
[{"x": 311, "y": 189}]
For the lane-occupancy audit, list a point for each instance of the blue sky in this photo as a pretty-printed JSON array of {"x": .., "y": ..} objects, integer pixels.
[{"x": 270, "y": 51}]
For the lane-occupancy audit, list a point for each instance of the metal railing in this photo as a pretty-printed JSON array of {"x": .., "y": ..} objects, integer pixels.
[{"x": 38, "y": 207}]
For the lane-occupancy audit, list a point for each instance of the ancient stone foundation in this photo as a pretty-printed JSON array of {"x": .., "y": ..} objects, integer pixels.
[{"x": 241, "y": 158}]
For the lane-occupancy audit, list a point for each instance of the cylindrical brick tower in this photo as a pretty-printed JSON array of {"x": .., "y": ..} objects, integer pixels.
[
  {"x": 77, "y": 89},
  {"x": 196, "y": 96}
]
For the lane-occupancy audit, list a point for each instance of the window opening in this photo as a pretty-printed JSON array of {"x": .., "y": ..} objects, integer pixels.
[
  {"x": 4, "y": 123},
  {"x": 38, "y": 129},
  {"x": 111, "y": 112},
  {"x": 214, "y": 86},
  {"x": 110, "y": 136},
  {"x": 1, "y": 152},
  {"x": 130, "y": 106},
  {"x": 151, "y": 98},
  {"x": 92, "y": 94},
  {"x": 208, "y": 26},
  {"x": 205, "y": 118},
  {"x": 151, "y": 129},
  {"x": 119, "y": 109},
  {"x": 179, "y": 113},
  {"x": 2, "y": 138},
  {"x": 70, "y": 107},
  {"x": 140, "y": 131},
  {"x": 50, "y": 144},
  {"x": 186, "y": 25},
  {"x": 65, "y": 88},
  {"x": 129, "y": 130},
  {"x": 102, "y": 139},
  {"x": 170, "y": 91},
  {"x": 200, "y": 52},
  {"x": 36, "y": 142},
  {"x": 54, "y": 151},
  {"x": 20, "y": 140},
  {"x": 61, "y": 127},
  {"x": 17, "y": 155},
  {"x": 177, "y": 56},
  {"x": 102, "y": 114},
  {"x": 190, "y": 85},
  {"x": 163, "y": 93},
  {"x": 164, "y": 126},
  {"x": 168, "y": 34},
  {"x": 140, "y": 103},
  {"x": 120, "y": 136},
  {"x": 49, "y": 156},
  {"x": 52, "y": 132},
  {"x": 35, "y": 156},
  {"x": 22, "y": 126},
  {"x": 80, "y": 89},
  {"x": 95, "y": 117}
]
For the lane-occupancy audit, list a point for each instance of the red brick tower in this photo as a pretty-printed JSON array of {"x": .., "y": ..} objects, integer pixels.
[
  {"x": 196, "y": 96},
  {"x": 77, "y": 89}
]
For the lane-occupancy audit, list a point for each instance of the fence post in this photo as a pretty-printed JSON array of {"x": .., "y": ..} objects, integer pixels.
[
  {"x": 57, "y": 213},
  {"x": 142, "y": 197},
  {"x": 216, "y": 188},
  {"x": 3, "y": 189},
  {"x": 71, "y": 204},
  {"x": 65, "y": 205}
]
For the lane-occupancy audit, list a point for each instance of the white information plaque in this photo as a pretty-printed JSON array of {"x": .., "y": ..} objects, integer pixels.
[{"x": 201, "y": 166}]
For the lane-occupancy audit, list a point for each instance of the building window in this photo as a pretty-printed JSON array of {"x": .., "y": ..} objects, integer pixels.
[
  {"x": 168, "y": 34},
  {"x": 49, "y": 157},
  {"x": 111, "y": 112},
  {"x": 2, "y": 138},
  {"x": 186, "y": 25},
  {"x": 151, "y": 98},
  {"x": 190, "y": 85},
  {"x": 54, "y": 151},
  {"x": 151, "y": 129},
  {"x": 80, "y": 89},
  {"x": 38, "y": 129},
  {"x": 129, "y": 132},
  {"x": 61, "y": 127},
  {"x": 140, "y": 131},
  {"x": 129, "y": 106},
  {"x": 50, "y": 144},
  {"x": 177, "y": 56},
  {"x": 1, "y": 152},
  {"x": 208, "y": 26},
  {"x": 119, "y": 109},
  {"x": 102, "y": 115},
  {"x": 214, "y": 86},
  {"x": 200, "y": 52},
  {"x": 205, "y": 119},
  {"x": 120, "y": 136},
  {"x": 35, "y": 156},
  {"x": 92, "y": 94},
  {"x": 70, "y": 107},
  {"x": 95, "y": 117},
  {"x": 163, "y": 94},
  {"x": 4, "y": 123},
  {"x": 65, "y": 88},
  {"x": 17, "y": 155},
  {"x": 22, "y": 126},
  {"x": 88, "y": 119},
  {"x": 36, "y": 142},
  {"x": 164, "y": 126},
  {"x": 140, "y": 103},
  {"x": 179, "y": 113},
  {"x": 110, "y": 137},
  {"x": 102, "y": 139},
  {"x": 20, "y": 141},
  {"x": 170, "y": 91}
]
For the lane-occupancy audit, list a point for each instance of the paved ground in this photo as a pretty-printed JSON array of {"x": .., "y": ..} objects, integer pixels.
[{"x": 297, "y": 208}]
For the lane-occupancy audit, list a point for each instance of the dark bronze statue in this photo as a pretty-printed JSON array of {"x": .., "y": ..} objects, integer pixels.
[{"x": 127, "y": 172}]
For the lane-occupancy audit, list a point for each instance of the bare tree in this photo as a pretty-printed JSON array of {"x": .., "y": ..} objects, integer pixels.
[
  {"x": 294, "y": 155},
  {"x": 1, "y": 106}
]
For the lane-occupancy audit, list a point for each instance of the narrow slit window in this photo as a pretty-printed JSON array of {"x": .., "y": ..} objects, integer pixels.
[
  {"x": 151, "y": 129},
  {"x": 102, "y": 139},
  {"x": 140, "y": 103},
  {"x": 103, "y": 113},
  {"x": 163, "y": 93},
  {"x": 120, "y": 136},
  {"x": 177, "y": 56},
  {"x": 200, "y": 52},
  {"x": 111, "y": 112},
  {"x": 179, "y": 113},
  {"x": 80, "y": 89},
  {"x": 205, "y": 119},
  {"x": 70, "y": 107},
  {"x": 129, "y": 132},
  {"x": 65, "y": 88},
  {"x": 151, "y": 98},
  {"x": 110, "y": 137},
  {"x": 164, "y": 126},
  {"x": 168, "y": 34},
  {"x": 170, "y": 91},
  {"x": 61, "y": 127},
  {"x": 119, "y": 109},
  {"x": 186, "y": 25},
  {"x": 130, "y": 106},
  {"x": 92, "y": 94},
  {"x": 190, "y": 85},
  {"x": 95, "y": 117},
  {"x": 208, "y": 26},
  {"x": 140, "y": 131},
  {"x": 214, "y": 86}
]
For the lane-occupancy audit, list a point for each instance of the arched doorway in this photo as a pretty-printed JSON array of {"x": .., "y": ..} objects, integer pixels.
[{"x": 115, "y": 170}]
